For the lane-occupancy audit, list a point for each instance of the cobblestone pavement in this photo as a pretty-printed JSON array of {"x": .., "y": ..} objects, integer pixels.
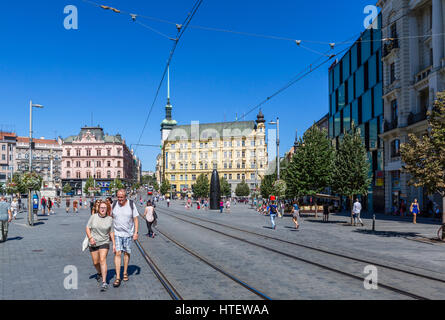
[{"x": 33, "y": 259}]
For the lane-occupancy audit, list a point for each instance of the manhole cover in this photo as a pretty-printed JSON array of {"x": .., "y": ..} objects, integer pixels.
[{"x": 37, "y": 250}]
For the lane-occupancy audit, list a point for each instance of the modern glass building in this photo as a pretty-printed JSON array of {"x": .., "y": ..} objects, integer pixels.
[{"x": 355, "y": 94}]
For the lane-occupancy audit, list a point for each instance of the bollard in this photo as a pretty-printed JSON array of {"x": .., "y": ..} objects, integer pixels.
[{"x": 373, "y": 222}]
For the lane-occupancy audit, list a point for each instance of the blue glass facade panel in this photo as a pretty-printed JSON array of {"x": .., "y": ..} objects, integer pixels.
[
  {"x": 378, "y": 100},
  {"x": 372, "y": 71},
  {"x": 347, "y": 118},
  {"x": 341, "y": 97},
  {"x": 354, "y": 58},
  {"x": 367, "y": 106},
  {"x": 351, "y": 89},
  {"x": 337, "y": 124},
  {"x": 373, "y": 134},
  {"x": 346, "y": 70},
  {"x": 336, "y": 76},
  {"x": 366, "y": 46},
  {"x": 360, "y": 81},
  {"x": 354, "y": 115}
]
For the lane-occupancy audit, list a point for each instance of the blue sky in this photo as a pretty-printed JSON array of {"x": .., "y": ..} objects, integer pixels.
[{"x": 111, "y": 67}]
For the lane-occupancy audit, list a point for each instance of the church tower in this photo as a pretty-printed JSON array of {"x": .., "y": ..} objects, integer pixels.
[{"x": 168, "y": 123}]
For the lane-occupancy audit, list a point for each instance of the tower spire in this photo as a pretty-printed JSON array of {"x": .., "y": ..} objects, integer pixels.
[{"x": 168, "y": 85}]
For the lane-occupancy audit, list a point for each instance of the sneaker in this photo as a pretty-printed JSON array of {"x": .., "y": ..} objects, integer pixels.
[
  {"x": 98, "y": 277},
  {"x": 104, "y": 287}
]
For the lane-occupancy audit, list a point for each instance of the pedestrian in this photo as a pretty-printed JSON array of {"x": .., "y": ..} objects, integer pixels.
[
  {"x": 126, "y": 226},
  {"x": 198, "y": 205},
  {"x": 43, "y": 203},
  {"x": 109, "y": 200},
  {"x": 75, "y": 206},
  {"x": 273, "y": 212},
  {"x": 96, "y": 206},
  {"x": 100, "y": 231},
  {"x": 414, "y": 209},
  {"x": 326, "y": 211},
  {"x": 149, "y": 216},
  {"x": 14, "y": 207},
  {"x": 402, "y": 208},
  {"x": 67, "y": 204},
  {"x": 296, "y": 215},
  {"x": 228, "y": 206},
  {"x": 221, "y": 206},
  {"x": 168, "y": 202},
  {"x": 5, "y": 218},
  {"x": 80, "y": 202},
  {"x": 206, "y": 205},
  {"x": 356, "y": 212},
  {"x": 91, "y": 205},
  {"x": 50, "y": 206}
]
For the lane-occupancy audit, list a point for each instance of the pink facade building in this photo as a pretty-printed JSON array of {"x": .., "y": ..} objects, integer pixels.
[{"x": 92, "y": 153}]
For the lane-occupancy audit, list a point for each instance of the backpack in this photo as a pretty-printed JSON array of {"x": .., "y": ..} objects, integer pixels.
[
  {"x": 273, "y": 209},
  {"x": 131, "y": 205}
]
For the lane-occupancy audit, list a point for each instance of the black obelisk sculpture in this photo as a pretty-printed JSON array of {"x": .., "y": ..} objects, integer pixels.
[{"x": 215, "y": 191}]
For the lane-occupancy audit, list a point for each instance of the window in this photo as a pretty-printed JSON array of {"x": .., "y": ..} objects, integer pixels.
[
  {"x": 394, "y": 111},
  {"x": 88, "y": 164},
  {"x": 108, "y": 163},
  {"x": 225, "y": 165},
  {"x": 98, "y": 152},
  {"x": 172, "y": 146},
  {"x": 98, "y": 164},
  {"x": 173, "y": 166},
  {"x": 118, "y": 173},
  {"x": 206, "y": 166},
  {"x": 225, "y": 176},
  {"x": 88, "y": 152},
  {"x": 193, "y": 166},
  {"x": 238, "y": 176},
  {"x": 98, "y": 175},
  {"x": 77, "y": 164},
  {"x": 395, "y": 148},
  {"x": 392, "y": 73},
  {"x": 88, "y": 174},
  {"x": 252, "y": 176},
  {"x": 238, "y": 165},
  {"x": 68, "y": 174},
  {"x": 243, "y": 176},
  {"x": 108, "y": 174},
  {"x": 68, "y": 152},
  {"x": 77, "y": 174},
  {"x": 252, "y": 143},
  {"x": 230, "y": 176},
  {"x": 193, "y": 177},
  {"x": 119, "y": 152},
  {"x": 118, "y": 164},
  {"x": 68, "y": 164},
  {"x": 78, "y": 152},
  {"x": 108, "y": 152}
]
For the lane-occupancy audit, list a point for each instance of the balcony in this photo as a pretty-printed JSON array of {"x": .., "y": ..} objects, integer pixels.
[
  {"x": 422, "y": 75},
  {"x": 390, "y": 125},
  {"x": 414, "y": 118},
  {"x": 390, "y": 46}
]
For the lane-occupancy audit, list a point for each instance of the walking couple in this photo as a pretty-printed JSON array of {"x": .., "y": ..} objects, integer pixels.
[{"x": 117, "y": 223}]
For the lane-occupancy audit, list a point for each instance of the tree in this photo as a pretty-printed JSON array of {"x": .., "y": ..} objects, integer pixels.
[
  {"x": 31, "y": 181},
  {"x": 424, "y": 158},
  {"x": 242, "y": 189},
  {"x": 225, "y": 187},
  {"x": 88, "y": 184},
  {"x": 351, "y": 167},
  {"x": 310, "y": 170},
  {"x": 165, "y": 187},
  {"x": 66, "y": 188},
  {"x": 116, "y": 185},
  {"x": 201, "y": 188},
  {"x": 267, "y": 185}
]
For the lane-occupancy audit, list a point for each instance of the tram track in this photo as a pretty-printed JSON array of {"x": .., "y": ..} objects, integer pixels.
[
  {"x": 171, "y": 290},
  {"x": 403, "y": 292}
]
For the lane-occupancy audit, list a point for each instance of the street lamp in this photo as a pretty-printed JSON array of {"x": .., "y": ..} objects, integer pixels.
[
  {"x": 278, "y": 145},
  {"x": 31, "y": 105}
]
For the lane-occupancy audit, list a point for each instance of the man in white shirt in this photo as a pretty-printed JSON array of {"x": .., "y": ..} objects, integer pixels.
[
  {"x": 356, "y": 212},
  {"x": 126, "y": 226}
]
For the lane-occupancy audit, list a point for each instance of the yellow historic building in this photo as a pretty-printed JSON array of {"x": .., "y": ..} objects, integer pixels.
[{"x": 238, "y": 150}]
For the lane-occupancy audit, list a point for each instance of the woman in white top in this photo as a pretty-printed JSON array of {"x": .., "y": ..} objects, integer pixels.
[
  {"x": 14, "y": 207},
  {"x": 149, "y": 215}
]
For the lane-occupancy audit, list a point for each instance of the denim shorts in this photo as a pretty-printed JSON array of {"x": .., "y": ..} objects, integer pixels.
[{"x": 123, "y": 243}]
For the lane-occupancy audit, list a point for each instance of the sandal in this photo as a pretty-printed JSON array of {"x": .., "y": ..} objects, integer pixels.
[
  {"x": 125, "y": 277},
  {"x": 117, "y": 283}
]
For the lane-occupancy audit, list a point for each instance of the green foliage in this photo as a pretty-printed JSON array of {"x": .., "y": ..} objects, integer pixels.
[
  {"x": 310, "y": 170},
  {"x": 89, "y": 184},
  {"x": 279, "y": 188},
  {"x": 67, "y": 188},
  {"x": 242, "y": 189},
  {"x": 30, "y": 181},
  {"x": 226, "y": 190},
  {"x": 425, "y": 158},
  {"x": 201, "y": 188},
  {"x": 165, "y": 187},
  {"x": 351, "y": 166},
  {"x": 267, "y": 186},
  {"x": 116, "y": 185}
]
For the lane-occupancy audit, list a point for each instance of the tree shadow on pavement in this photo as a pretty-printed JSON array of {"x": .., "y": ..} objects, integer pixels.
[
  {"x": 327, "y": 222},
  {"x": 388, "y": 234}
]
